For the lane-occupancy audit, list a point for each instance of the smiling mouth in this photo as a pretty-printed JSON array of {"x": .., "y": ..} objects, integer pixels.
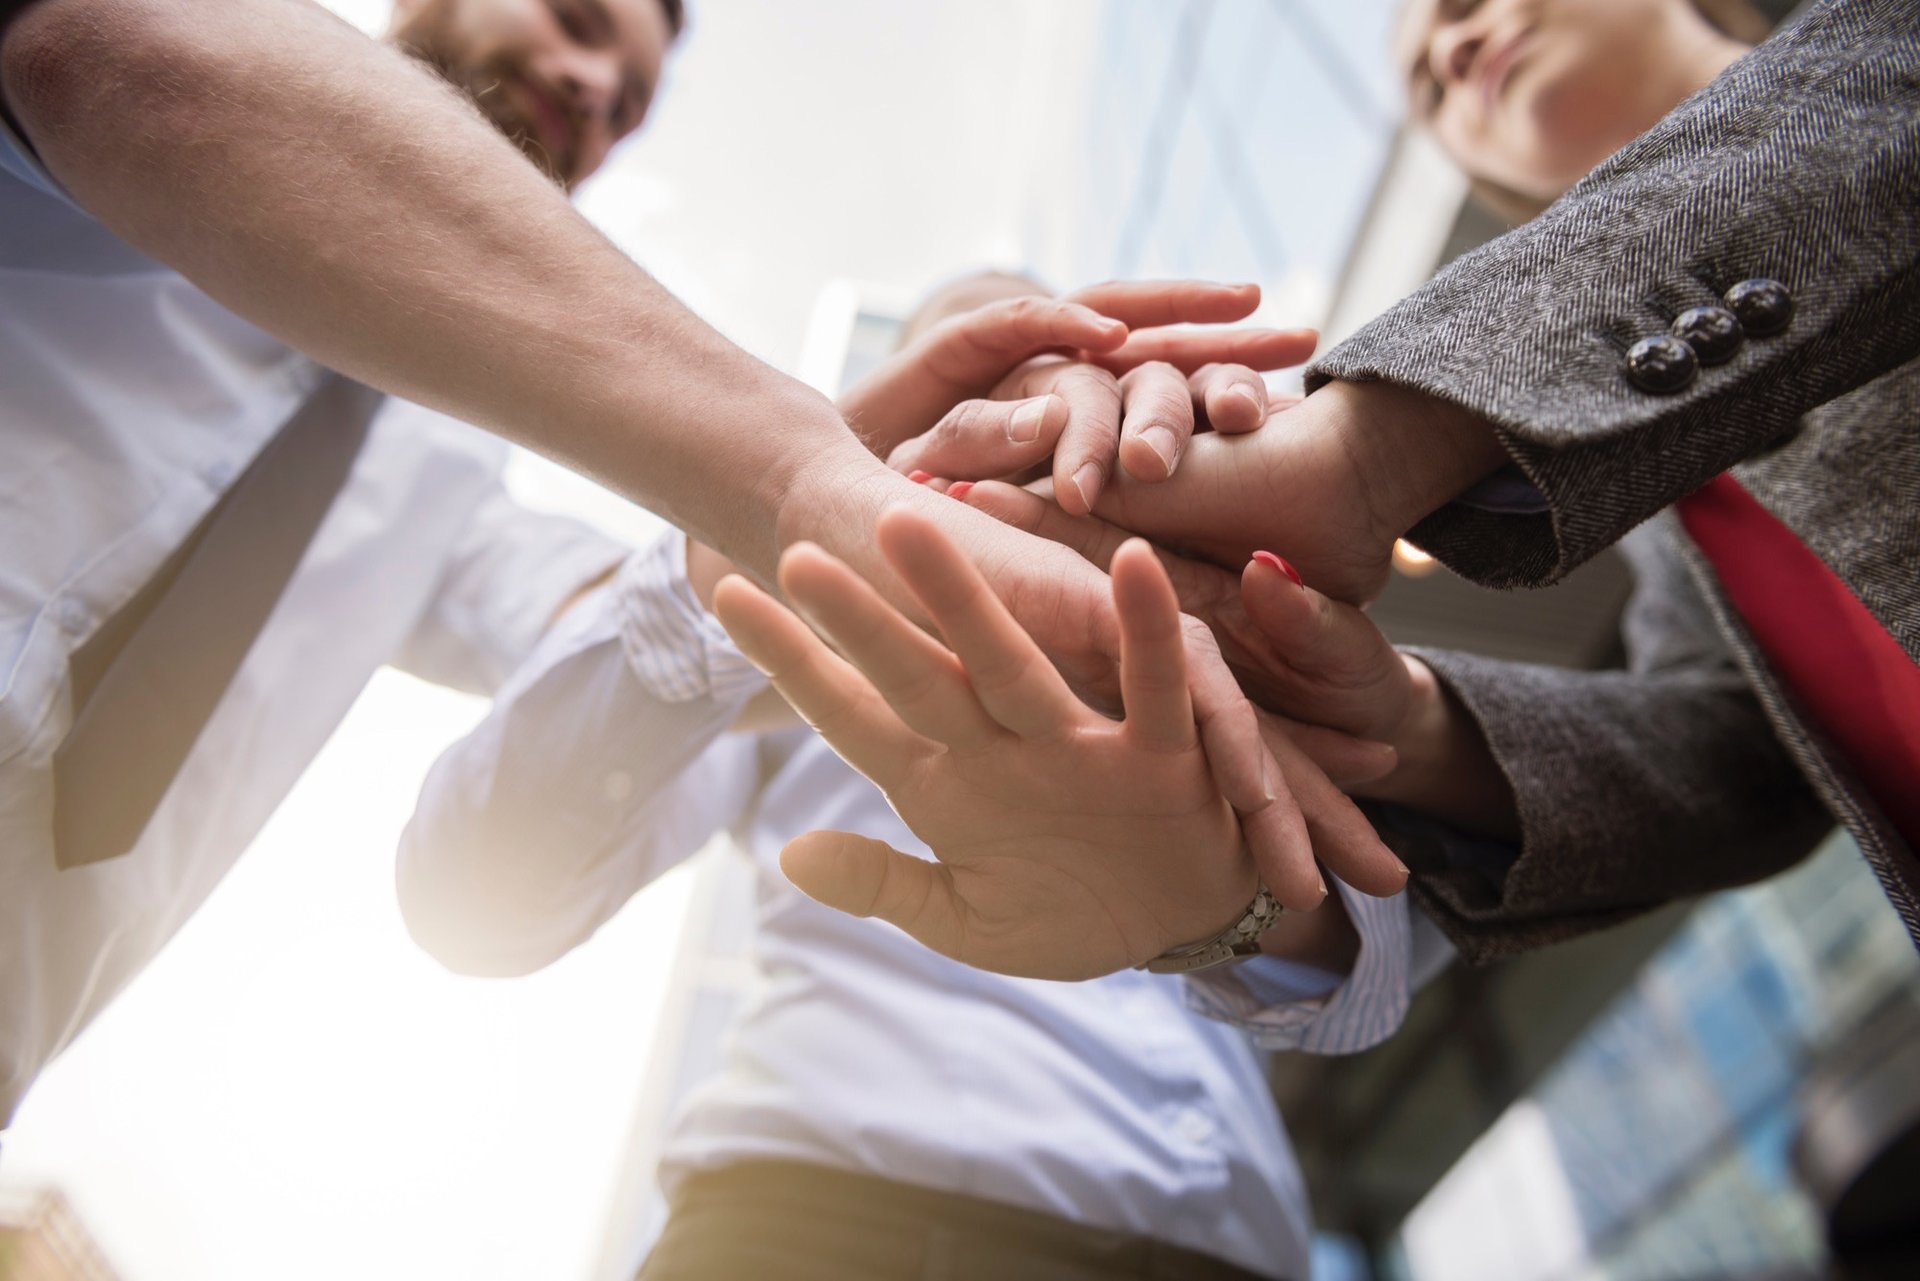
[{"x": 1499, "y": 69}]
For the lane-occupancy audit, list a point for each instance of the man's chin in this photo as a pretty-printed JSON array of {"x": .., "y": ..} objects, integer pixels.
[
  {"x": 524, "y": 137},
  {"x": 542, "y": 159},
  {"x": 483, "y": 87}
]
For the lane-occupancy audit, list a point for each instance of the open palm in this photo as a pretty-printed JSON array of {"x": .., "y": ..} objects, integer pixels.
[{"x": 1068, "y": 845}]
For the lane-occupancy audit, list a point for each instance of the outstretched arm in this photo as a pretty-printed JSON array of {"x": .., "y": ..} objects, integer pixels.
[
  {"x": 602, "y": 763},
  {"x": 1799, "y": 165},
  {"x": 401, "y": 240},
  {"x": 332, "y": 191}
]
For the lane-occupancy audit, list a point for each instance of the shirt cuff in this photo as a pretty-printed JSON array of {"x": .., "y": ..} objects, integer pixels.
[
  {"x": 678, "y": 651},
  {"x": 1489, "y": 858},
  {"x": 1507, "y": 492},
  {"x": 1283, "y": 1005}
]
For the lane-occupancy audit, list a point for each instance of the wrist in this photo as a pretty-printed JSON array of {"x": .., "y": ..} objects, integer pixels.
[
  {"x": 1324, "y": 938},
  {"x": 817, "y": 484},
  {"x": 1445, "y": 766},
  {"x": 1412, "y": 453},
  {"x": 1420, "y": 741}
]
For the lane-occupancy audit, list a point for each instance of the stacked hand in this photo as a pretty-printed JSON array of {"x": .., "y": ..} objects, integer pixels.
[
  {"x": 1155, "y": 428},
  {"x": 1069, "y": 845},
  {"x": 1080, "y": 380}
]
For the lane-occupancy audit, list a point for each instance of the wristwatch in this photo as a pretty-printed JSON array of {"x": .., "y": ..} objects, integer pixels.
[{"x": 1238, "y": 940}]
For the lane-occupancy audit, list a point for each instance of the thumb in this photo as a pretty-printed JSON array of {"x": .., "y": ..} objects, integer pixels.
[
  {"x": 864, "y": 877},
  {"x": 982, "y": 438},
  {"x": 1334, "y": 666}
]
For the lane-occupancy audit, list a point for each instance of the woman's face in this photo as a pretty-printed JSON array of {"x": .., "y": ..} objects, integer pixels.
[{"x": 1531, "y": 94}]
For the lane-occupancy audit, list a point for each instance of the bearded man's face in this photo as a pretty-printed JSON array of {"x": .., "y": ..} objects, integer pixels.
[{"x": 563, "y": 79}]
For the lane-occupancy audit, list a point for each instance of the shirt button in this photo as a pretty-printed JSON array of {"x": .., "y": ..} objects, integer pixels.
[
  {"x": 1763, "y": 306},
  {"x": 1193, "y": 1126},
  {"x": 1661, "y": 364},
  {"x": 1713, "y": 332}
]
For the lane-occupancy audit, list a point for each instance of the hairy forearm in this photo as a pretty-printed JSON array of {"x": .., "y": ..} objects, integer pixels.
[{"x": 333, "y": 192}]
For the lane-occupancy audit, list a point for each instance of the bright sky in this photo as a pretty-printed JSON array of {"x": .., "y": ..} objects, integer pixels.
[{"x": 292, "y": 1092}]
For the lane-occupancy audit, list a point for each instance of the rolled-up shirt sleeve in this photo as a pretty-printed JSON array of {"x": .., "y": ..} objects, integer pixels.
[
  {"x": 603, "y": 762},
  {"x": 506, "y": 580},
  {"x": 1285, "y": 1005}
]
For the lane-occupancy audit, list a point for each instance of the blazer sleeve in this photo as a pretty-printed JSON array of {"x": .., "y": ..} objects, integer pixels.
[
  {"x": 1799, "y": 164},
  {"x": 1634, "y": 787}
]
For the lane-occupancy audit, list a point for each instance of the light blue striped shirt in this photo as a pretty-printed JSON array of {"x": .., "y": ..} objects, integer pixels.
[{"x": 606, "y": 761}]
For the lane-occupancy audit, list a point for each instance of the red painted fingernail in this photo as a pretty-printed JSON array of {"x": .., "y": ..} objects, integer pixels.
[
  {"x": 1274, "y": 562},
  {"x": 919, "y": 477},
  {"x": 959, "y": 489}
]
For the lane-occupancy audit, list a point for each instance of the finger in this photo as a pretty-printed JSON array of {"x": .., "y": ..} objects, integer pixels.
[
  {"x": 1201, "y": 588},
  {"x": 1342, "y": 838},
  {"x": 1189, "y": 349},
  {"x": 1010, "y": 676},
  {"x": 1347, "y": 761},
  {"x": 1334, "y": 666},
  {"x": 1094, "y": 539},
  {"x": 864, "y": 877},
  {"x": 1153, "y": 659},
  {"x": 1141, "y": 303},
  {"x": 1277, "y": 839},
  {"x": 1089, "y": 443},
  {"x": 827, "y": 691},
  {"x": 1156, "y": 409},
  {"x": 1250, "y": 779},
  {"x": 921, "y": 681},
  {"x": 977, "y": 347},
  {"x": 982, "y": 438},
  {"x": 1233, "y": 397}
]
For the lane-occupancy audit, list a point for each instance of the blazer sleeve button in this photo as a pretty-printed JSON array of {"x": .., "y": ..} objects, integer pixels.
[
  {"x": 1714, "y": 333},
  {"x": 1763, "y": 306},
  {"x": 1661, "y": 364}
]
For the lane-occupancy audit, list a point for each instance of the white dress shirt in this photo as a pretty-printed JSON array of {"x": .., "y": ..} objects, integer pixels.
[
  {"x": 606, "y": 760},
  {"x": 131, "y": 401}
]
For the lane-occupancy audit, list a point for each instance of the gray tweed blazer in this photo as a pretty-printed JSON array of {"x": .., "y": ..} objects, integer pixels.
[{"x": 1694, "y": 769}]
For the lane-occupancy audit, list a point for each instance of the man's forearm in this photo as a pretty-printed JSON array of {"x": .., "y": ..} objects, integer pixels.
[{"x": 333, "y": 192}]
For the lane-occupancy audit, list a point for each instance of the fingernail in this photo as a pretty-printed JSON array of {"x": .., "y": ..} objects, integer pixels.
[
  {"x": 1323, "y": 889},
  {"x": 1274, "y": 562},
  {"x": 1251, "y": 396},
  {"x": 1087, "y": 481},
  {"x": 919, "y": 477},
  {"x": 959, "y": 489},
  {"x": 1161, "y": 441},
  {"x": 1024, "y": 427}
]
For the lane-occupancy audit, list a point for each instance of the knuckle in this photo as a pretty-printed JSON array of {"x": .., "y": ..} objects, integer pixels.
[{"x": 963, "y": 422}]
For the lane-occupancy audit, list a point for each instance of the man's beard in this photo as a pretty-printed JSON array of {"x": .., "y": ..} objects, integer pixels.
[{"x": 481, "y": 84}]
